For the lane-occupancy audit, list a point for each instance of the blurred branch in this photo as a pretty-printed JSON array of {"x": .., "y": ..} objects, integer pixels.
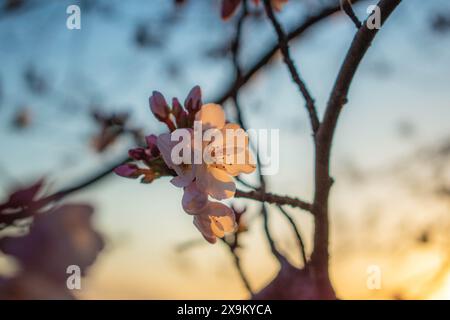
[
  {"x": 235, "y": 95},
  {"x": 284, "y": 47},
  {"x": 237, "y": 262},
  {"x": 301, "y": 243},
  {"x": 88, "y": 181},
  {"x": 265, "y": 58}
]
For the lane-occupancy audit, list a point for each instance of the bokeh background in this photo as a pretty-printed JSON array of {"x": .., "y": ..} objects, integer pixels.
[{"x": 390, "y": 204}]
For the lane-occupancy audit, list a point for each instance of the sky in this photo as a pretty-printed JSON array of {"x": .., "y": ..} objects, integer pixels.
[{"x": 402, "y": 80}]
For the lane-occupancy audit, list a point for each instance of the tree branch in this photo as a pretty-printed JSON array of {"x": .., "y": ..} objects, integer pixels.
[
  {"x": 323, "y": 181},
  {"x": 284, "y": 47},
  {"x": 274, "y": 199},
  {"x": 300, "y": 241},
  {"x": 266, "y": 57},
  {"x": 347, "y": 8}
]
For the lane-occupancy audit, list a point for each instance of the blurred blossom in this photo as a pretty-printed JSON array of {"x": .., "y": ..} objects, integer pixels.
[
  {"x": 35, "y": 81},
  {"x": 22, "y": 203},
  {"x": 22, "y": 119},
  {"x": 59, "y": 238},
  {"x": 11, "y": 5},
  {"x": 145, "y": 38},
  {"x": 111, "y": 126},
  {"x": 441, "y": 23}
]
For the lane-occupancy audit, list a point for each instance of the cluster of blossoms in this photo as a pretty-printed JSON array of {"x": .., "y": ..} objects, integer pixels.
[
  {"x": 202, "y": 181},
  {"x": 229, "y": 6},
  {"x": 57, "y": 237}
]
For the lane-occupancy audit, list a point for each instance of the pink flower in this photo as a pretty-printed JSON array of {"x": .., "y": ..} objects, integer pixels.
[
  {"x": 212, "y": 219},
  {"x": 23, "y": 203},
  {"x": 59, "y": 238},
  {"x": 214, "y": 176},
  {"x": 185, "y": 173}
]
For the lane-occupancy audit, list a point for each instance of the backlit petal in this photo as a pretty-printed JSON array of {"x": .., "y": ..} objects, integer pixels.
[{"x": 211, "y": 115}]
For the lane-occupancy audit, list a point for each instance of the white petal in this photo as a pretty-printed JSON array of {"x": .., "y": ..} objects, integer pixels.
[
  {"x": 165, "y": 147},
  {"x": 223, "y": 218},
  {"x": 211, "y": 115},
  {"x": 203, "y": 224},
  {"x": 194, "y": 201},
  {"x": 184, "y": 179},
  {"x": 216, "y": 182}
]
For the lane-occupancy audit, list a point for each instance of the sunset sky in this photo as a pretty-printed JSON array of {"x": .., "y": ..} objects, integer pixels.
[{"x": 401, "y": 86}]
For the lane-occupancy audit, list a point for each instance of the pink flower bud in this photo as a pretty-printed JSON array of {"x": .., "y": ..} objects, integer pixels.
[
  {"x": 137, "y": 154},
  {"x": 193, "y": 101},
  {"x": 152, "y": 148},
  {"x": 181, "y": 116},
  {"x": 127, "y": 170},
  {"x": 158, "y": 106}
]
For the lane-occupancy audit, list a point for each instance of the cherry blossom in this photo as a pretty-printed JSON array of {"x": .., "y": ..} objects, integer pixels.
[
  {"x": 58, "y": 238},
  {"x": 213, "y": 219},
  {"x": 214, "y": 177},
  {"x": 223, "y": 150}
]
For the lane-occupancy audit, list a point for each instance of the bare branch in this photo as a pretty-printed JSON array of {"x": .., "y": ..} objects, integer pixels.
[
  {"x": 348, "y": 9},
  {"x": 323, "y": 181},
  {"x": 237, "y": 262},
  {"x": 284, "y": 47},
  {"x": 266, "y": 57},
  {"x": 301, "y": 243},
  {"x": 274, "y": 199}
]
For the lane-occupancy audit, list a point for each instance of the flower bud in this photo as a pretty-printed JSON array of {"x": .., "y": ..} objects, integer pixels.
[
  {"x": 193, "y": 101},
  {"x": 152, "y": 148},
  {"x": 181, "y": 116},
  {"x": 158, "y": 106},
  {"x": 128, "y": 171},
  {"x": 138, "y": 154}
]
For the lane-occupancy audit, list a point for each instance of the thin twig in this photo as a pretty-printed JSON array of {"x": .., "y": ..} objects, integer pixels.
[
  {"x": 284, "y": 47},
  {"x": 245, "y": 183},
  {"x": 237, "y": 262},
  {"x": 235, "y": 57},
  {"x": 265, "y": 58},
  {"x": 89, "y": 181},
  {"x": 259, "y": 195},
  {"x": 348, "y": 9},
  {"x": 301, "y": 243}
]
